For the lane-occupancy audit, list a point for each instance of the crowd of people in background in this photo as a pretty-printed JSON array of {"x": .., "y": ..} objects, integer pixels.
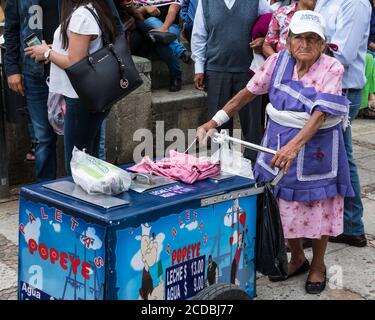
[{"x": 229, "y": 41}]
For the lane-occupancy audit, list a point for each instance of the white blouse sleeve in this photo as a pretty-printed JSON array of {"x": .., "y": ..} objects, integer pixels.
[{"x": 83, "y": 22}]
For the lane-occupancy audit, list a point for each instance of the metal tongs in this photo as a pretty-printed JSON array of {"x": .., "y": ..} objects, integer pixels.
[{"x": 223, "y": 137}]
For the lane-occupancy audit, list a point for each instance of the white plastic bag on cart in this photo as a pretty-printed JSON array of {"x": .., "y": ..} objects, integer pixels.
[
  {"x": 232, "y": 161},
  {"x": 96, "y": 176}
]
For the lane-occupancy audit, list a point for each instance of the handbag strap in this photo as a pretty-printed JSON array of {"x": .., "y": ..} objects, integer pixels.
[{"x": 96, "y": 17}]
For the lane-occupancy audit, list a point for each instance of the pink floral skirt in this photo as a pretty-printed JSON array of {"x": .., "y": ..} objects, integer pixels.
[{"x": 312, "y": 219}]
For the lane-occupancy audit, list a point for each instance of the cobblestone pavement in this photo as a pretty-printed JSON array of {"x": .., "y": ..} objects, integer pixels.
[
  {"x": 351, "y": 271},
  {"x": 8, "y": 249}
]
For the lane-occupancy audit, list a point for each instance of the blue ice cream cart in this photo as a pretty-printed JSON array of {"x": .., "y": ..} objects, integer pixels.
[
  {"x": 161, "y": 240},
  {"x": 167, "y": 243}
]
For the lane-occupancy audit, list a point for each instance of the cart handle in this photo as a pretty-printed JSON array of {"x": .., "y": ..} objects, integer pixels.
[{"x": 223, "y": 137}]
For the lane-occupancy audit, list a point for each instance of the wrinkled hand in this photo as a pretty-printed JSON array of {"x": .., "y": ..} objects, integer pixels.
[
  {"x": 257, "y": 45},
  {"x": 37, "y": 52},
  {"x": 285, "y": 157},
  {"x": 199, "y": 81},
  {"x": 15, "y": 83},
  {"x": 152, "y": 11},
  {"x": 205, "y": 131}
]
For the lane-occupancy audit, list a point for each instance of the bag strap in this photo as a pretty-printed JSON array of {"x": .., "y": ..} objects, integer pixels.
[{"x": 96, "y": 17}]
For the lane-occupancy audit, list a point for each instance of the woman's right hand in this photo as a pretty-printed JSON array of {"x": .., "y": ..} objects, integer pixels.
[
  {"x": 206, "y": 130},
  {"x": 152, "y": 11}
]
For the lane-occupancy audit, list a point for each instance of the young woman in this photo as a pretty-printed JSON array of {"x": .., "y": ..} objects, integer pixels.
[{"x": 78, "y": 35}]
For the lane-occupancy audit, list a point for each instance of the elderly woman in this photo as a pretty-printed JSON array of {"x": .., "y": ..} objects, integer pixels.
[{"x": 305, "y": 125}]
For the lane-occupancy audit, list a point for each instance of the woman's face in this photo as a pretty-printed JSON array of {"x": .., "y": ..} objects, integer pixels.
[{"x": 306, "y": 47}]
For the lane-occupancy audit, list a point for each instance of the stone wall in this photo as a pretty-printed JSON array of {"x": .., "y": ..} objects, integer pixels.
[{"x": 127, "y": 116}]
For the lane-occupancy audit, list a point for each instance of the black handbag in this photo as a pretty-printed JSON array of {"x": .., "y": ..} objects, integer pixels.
[{"x": 105, "y": 76}]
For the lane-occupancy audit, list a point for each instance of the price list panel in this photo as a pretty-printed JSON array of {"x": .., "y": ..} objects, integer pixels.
[{"x": 186, "y": 279}]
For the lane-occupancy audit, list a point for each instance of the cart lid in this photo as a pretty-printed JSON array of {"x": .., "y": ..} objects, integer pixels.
[{"x": 176, "y": 195}]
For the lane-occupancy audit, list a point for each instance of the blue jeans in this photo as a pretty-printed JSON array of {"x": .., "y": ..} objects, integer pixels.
[
  {"x": 172, "y": 52},
  {"x": 32, "y": 133},
  {"x": 102, "y": 149},
  {"x": 45, "y": 150},
  {"x": 353, "y": 224},
  {"x": 81, "y": 129}
]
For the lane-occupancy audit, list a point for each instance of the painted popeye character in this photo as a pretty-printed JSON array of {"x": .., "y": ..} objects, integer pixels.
[{"x": 149, "y": 252}]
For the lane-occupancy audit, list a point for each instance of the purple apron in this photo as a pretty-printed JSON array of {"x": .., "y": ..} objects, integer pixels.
[{"x": 321, "y": 169}]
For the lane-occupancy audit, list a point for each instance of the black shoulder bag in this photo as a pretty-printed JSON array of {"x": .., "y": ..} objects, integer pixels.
[{"x": 105, "y": 76}]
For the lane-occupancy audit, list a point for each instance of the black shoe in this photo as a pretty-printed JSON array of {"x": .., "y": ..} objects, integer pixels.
[
  {"x": 316, "y": 287},
  {"x": 355, "y": 241},
  {"x": 186, "y": 56},
  {"x": 302, "y": 269},
  {"x": 175, "y": 85},
  {"x": 161, "y": 37}
]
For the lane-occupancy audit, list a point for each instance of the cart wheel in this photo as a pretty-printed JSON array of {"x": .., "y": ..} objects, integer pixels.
[{"x": 222, "y": 291}]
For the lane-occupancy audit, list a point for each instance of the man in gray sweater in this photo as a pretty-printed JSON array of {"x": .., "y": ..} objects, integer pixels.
[{"x": 222, "y": 55}]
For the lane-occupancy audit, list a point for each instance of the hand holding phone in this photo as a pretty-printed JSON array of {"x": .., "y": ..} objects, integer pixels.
[
  {"x": 40, "y": 53},
  {"x": 32, "y": 40}
]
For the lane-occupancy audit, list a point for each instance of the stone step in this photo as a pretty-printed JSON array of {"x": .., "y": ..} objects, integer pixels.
[
  {"x": 187, "y": 98},
  {"x": 185, "y": 109},
  {"x": 175, "y": 116},
  {"x": 160, "y": 74}
]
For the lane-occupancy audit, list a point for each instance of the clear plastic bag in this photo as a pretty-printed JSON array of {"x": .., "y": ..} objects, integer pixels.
[
  {"x": 96, "y": 176},
  {"x": 56, "y": 112},
  {"x": 232, "y": 161}
]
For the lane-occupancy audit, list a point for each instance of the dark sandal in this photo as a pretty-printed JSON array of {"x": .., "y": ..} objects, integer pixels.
[{"x": 316, "y": 287}]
